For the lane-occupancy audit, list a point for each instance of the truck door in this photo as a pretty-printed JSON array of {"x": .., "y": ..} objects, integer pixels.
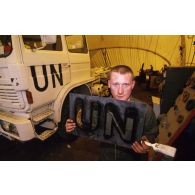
[
  {"x": 48, "y": 67},
  {"x": 79, "y": 56}
]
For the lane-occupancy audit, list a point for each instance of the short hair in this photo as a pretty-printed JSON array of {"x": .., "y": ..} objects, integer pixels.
[{"x": 122, "y": 69}]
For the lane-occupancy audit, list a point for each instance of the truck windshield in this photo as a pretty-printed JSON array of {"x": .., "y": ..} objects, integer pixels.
[
  {"x": 34, "y": 41},
  {"x": 5, "y": 45}
]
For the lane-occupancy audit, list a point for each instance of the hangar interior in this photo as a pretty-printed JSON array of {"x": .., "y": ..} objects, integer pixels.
[{"x": 164, "y": 69}]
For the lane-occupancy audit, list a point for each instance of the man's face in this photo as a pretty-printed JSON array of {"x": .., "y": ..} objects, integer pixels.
[{"x": 121, "y": 85}]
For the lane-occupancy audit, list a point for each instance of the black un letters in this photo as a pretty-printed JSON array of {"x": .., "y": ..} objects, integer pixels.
[
  {"x": 45, "y": 75},
  {"x": 107, "y": 119}
]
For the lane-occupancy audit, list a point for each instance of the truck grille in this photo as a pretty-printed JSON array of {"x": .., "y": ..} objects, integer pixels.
[{"x": 9, "y": 97}]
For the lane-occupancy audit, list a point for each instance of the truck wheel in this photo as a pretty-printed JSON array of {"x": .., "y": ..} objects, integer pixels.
[{"x": 65, "y": 112}]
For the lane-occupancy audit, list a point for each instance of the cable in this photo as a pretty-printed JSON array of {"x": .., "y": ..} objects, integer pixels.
[
  {"x": 190, "y": 48},
  {"x": 138, "y": 52},
  {"x": 174, "y": 49},
  {"x": 149, "y": 46},
  {"x": 156, "y": 48},
  {"x": 192, "y": 58}
]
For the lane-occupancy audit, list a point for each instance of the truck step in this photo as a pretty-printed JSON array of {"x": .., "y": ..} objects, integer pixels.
[
  {"x": 45, "y": 129},
  {"x": 42, "y": 116},
  {"x": 46, "y": 134}
]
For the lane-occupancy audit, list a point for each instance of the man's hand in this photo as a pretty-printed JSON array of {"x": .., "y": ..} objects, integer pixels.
[
  {"x": 70, "y": 125},
  {"x": 140, "y": 148}
]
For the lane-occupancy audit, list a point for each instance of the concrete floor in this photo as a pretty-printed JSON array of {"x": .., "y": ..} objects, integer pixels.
[{"x": 53, "y": 149}]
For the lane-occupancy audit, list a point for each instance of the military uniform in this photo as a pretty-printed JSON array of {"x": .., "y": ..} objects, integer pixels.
[{"x": 114, "y": 152}]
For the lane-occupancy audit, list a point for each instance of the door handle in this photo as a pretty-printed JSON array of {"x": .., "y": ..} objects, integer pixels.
[{"x": 65, "y": 65}]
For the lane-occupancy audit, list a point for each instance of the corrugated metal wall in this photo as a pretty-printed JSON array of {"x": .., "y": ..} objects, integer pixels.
[{"x": 134, "y": 50}]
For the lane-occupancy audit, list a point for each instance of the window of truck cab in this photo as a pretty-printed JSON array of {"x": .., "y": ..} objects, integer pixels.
[
  {"x": 5, "y": 45},
  {"x": 34, "y": 41},
  {"x": 76, "y": 43}
]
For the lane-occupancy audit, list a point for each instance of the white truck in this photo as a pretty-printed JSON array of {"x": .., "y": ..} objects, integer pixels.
[{"x": 37, "y": 72}]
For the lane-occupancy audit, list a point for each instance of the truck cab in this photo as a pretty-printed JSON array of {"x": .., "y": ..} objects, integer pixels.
[{"x": 37, "y": 72}]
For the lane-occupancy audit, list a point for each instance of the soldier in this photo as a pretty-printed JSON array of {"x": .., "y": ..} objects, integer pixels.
[{"x": 121, "y": 83}]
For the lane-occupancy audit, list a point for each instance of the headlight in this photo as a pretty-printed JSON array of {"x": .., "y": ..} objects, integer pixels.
[
  {"x": 5, "y": 125},
  {"x": 8, "y": 127}
]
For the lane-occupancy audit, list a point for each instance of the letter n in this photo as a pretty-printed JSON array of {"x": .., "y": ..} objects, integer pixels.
[{"x": 58, "y": 76}]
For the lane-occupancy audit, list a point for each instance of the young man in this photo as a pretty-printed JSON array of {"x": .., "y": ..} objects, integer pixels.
[{"x": 121, "y": 83}]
